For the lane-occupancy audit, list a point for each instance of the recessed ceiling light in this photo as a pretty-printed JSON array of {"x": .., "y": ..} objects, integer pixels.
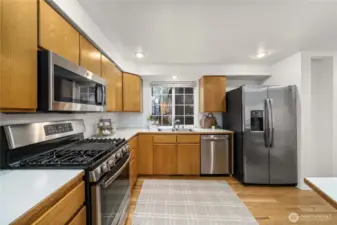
[
  {"x": 174, "y": 77},
  {"x": 139, "y": 55},
  {"x": 261, "y": 55}
]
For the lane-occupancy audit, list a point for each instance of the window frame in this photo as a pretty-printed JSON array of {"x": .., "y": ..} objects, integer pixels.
[{"x": 173, "y": 105}]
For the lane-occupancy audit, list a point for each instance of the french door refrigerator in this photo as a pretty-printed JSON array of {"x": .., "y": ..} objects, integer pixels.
[{"x": 265, "y": 141}]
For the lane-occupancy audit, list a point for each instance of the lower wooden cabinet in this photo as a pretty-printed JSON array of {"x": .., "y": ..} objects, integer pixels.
[
  {"x": 133, "y": 172},
  {"x": 165, "y": 159},
  {"x": 63, "y": 210},
  {"x": 145, "y": 156},
  {"x": 188, "y": 159},
  {"x": 80, "y": 218}
]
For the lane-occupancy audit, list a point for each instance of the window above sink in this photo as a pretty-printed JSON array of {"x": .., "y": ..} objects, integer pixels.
[{"x": 171, "y": 103}]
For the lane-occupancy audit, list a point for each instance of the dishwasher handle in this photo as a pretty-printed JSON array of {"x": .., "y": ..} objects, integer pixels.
[{"x": 214, "y": 137}]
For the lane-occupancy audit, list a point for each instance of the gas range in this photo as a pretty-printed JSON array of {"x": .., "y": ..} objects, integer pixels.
[
  {"x": 61, "y": 145},
  {"x": 97, "y": 156}
]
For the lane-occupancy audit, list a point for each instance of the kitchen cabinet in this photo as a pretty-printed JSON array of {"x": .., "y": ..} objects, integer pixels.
[
  {"x": 132, "y": 93},
  {"x": 18, "y": 62},
  {"x": 212, "y": 96},
  {"x": 133, "y": 161},
  {"x": 165, "y": 159},
  {"x": 63, "y": 210},
  {"x": 90, "y": 57},
  {"x": 188, "y": 159},
  {"x": 56, "y": 34},
  {"x": 145, "y": 154},
  {"x": 164, "y": 138},
  {"x": 114, "y": 85},
  {"x": 133, "y": 173},
  {"x": 80, "y": 218},
  {"x": 65, "y": 206}
]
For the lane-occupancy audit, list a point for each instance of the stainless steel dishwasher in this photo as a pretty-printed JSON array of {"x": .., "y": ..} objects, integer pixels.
[{"x": 215, "y": 154}]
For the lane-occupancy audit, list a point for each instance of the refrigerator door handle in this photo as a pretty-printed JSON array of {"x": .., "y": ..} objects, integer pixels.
[
  {"x": 266, "y": 124},
  {"x": 271, "y": 124}
]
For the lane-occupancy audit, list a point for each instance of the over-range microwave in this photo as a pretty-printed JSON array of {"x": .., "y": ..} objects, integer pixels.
[{"x": 66, "y": 87}]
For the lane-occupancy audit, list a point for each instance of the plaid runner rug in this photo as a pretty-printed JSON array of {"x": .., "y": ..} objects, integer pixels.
[{"x": 189, "y": 202}]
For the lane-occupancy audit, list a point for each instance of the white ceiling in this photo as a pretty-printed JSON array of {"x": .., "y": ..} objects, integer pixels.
[{"x": 215, "y": 31}]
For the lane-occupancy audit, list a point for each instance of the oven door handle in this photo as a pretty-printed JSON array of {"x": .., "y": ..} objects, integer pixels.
[{"x": 108, "y": 182}]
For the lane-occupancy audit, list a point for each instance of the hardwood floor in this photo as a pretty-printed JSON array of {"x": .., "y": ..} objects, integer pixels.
[{"x": 269, "y": 205}]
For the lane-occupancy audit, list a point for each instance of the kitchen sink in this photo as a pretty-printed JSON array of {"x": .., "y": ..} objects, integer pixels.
[{"x": 175, "y": 130}]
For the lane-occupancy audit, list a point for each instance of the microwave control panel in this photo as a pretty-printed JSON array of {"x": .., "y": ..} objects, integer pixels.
[{"x": 58, "y": 128}]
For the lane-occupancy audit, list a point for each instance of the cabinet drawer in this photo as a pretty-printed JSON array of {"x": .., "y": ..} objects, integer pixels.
[
  {"x": 164, "y": 138},
  {"x": 188, "y": 139},
  {"x": 64, "y": 209},
  {"x": 80, "y": 218}
]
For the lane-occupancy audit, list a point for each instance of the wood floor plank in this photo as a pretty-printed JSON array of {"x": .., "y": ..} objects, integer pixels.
[{"x": 269, "y": 205}]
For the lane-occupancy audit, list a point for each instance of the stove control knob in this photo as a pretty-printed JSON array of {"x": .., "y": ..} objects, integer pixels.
[
  {"x": 104, "y": 168},
  {"x": 118, "y": 155},
  {"x": 125, "y": 149},
  {"x": 110, "y": 162}
]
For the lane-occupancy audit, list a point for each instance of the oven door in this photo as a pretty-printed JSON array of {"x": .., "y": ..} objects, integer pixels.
[
  {"x": 64, "y": 86},
  {"x": 110, "y": 196}
]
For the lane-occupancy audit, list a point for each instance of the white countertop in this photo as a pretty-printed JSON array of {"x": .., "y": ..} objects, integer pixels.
[
  {"x": 21, "y": 190},
  {"x": 327, "y": 185},
  {"x": 127, "y": 133}
]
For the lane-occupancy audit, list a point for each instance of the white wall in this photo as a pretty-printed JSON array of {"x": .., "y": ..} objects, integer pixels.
[{"x": 321, "y": 116}]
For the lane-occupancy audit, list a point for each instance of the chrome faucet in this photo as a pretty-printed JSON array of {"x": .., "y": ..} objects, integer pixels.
[{"x": 175, "y": 123}]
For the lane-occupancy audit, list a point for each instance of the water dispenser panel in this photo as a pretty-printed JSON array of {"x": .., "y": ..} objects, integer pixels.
[{"x": 256, "y": 120}]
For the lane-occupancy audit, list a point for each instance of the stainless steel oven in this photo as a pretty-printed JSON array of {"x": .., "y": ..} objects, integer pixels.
[
  {"x": 65, "y": 86},
  {"x": 110, "y": 196}
]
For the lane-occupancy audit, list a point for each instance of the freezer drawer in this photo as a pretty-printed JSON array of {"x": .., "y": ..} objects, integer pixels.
[{"x": 215, "y": 154}]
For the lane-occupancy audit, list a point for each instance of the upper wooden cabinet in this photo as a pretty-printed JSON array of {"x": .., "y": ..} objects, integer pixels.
[
  {"x": 132, "y": 93},
  {"x": 114, "y": 85},
  {"x": 18, "y": 62},
  {"x": 56, "y": 34},
  {"x": 212, "y": 94},
  {"x": 90, "y": 57}
]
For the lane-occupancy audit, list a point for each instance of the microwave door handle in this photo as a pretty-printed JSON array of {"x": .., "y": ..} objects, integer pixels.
[{"x": 98, "y": 92}]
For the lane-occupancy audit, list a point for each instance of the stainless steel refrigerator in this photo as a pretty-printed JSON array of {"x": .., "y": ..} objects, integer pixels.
[{"x": 265, "y": 140}]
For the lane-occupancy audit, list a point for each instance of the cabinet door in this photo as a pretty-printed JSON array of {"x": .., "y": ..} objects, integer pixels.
[
  {"x": 213, "y": 94},
  {"x": 90, "y": 57},
  {"x": 18, "y": 77},
  {"x": 133, "y": 164},
  {"x": 80, "y": 218},
  {"x": 165, "y": 159},
  {"x": 56, "y": 34},
  {"x": 114, "y": 82},
  {"x": 145, "y": 154},
  {"x": 132, "y": 93},
  {"x": 188, "y": 159}
]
